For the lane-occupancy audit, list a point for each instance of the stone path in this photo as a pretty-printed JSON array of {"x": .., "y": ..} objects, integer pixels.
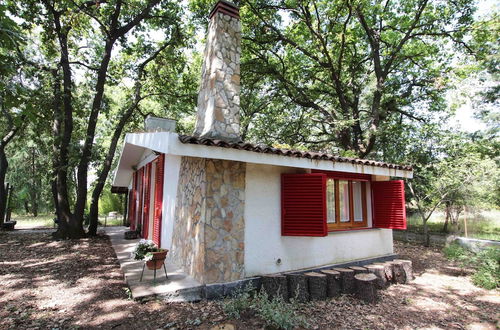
[{"x": 178, "y": 287}]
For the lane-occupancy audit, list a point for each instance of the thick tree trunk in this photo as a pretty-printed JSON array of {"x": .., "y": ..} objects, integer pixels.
[
  {"x": 317, "y": 285},
  {"x": 347, "y": 279},
  {"x": 366, "y": 287},
  {"x": 275, "y": 286},
  {"x": 297, "y": 287},
  {"x": 379, "y": 271},
  {"x": 333, "y": 282}
]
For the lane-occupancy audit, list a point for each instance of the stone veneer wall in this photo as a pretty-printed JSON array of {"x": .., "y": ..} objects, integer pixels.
[
  {"x": 208, "y": 238},
  {"x": 188, "y": 248},
  {"x": 219, "y": 95}
]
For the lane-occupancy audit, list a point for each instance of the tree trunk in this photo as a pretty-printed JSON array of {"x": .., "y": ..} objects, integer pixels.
[
  {"x": 365, "y": 287},
  {"x": 333, "y": 282},
  {"x": 347, "y": 279},
  {"x": 34, "y": 188},
  {"x": 427, "y": 236},
  {"x": 275, "y": 286},
  {"x": 447, "y": 217},
  {"x": 103, "y": 173},
  {"x": 405, "y": 266},
  {"x": 399, "y": 272},
  {"x": 4, "y": 164},
  {"x": 26, "y": 207},
  {"x": 317, "y": 286},
  {"x": 379, "y": 271},
  {"x": 297, "y": 287}
]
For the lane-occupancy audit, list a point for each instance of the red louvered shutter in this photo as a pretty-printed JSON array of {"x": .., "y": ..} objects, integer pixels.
[
  {"x": 133, "y": 201},
  {"x": 147, "y": 192},
  {"x": 303, "y": 204},
  {"x": 389, "y": 209},
  {"x": 158, "y": 200},
  {"x": 140, "y": 189}
]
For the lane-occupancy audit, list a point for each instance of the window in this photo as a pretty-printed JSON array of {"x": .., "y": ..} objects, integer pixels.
[
  {"x": 314, "y": 203},
  {"x": 346, "y": 203}
]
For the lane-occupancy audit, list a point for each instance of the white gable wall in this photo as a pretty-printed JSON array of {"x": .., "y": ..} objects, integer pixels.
[{"x": 264, "y": 244}]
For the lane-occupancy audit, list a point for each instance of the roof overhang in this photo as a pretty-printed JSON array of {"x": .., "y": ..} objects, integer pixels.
[{"x": 169, "y": 143}]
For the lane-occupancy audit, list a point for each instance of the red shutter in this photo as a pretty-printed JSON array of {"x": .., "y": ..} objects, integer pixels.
[
  {"x": 133, "y": 201},
  {"x": 389, "y": 209},
  {"x": 158, "y": 199},
  {"x": 147, "y": 192},
  {"x": 140, "y": 189},
  {"x": 303, "y": 204}
]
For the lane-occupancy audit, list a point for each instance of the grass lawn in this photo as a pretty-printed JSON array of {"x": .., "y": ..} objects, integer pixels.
[
  {"x": 484, "y": 224},
  {"x": 47, "y": 221}
]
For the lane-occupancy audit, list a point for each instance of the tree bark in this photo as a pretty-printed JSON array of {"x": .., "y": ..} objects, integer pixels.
[
  {"x": 275, "y": 286},
  {"x": 347, "y": 279},
  {"x": 34, "y": 187},
  {"x": 333, "y": 282},
  {"x": 4, "y": 164},
  {"x": 405, "y": 267},
  {"x": 379, "y": 271},
  {"x": 447, "y": 218},
  {"x": 427, "y": 236},
  {"x": 297, "y": 287},
  {"x": 317, "y": 285},
  {"x": 108, "y": 161},
  {"x": 365, "y": 287}
]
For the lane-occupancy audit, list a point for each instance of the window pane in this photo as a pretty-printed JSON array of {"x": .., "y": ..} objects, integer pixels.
[
  {"x": 344, "y": 200},
  {"x": 330, "y": 201},
  {"x": 357, "y": 200}
]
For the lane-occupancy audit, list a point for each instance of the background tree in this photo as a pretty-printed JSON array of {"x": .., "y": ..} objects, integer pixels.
[{"x": 81, "y": 36}]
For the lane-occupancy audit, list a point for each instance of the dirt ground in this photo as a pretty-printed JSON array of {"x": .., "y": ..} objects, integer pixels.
[{"x": 78, "y": 284}]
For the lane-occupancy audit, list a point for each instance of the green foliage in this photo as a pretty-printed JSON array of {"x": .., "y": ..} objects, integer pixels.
[
  {"x": 110, "y": 202},
  {"x": 486, "y": 264},
  {"x": 143, "y": 250},
  {"x": 275, "y": 312}
]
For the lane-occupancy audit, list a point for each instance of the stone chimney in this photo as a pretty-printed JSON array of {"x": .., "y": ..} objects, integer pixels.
[{"x": 219, "y": 96}]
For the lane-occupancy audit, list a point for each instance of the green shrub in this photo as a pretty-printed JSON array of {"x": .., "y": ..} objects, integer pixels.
[
  {"x": 486, "y": 264},
  {"x": 488, "y": 269},
  {"x": 275, "y": 312}
]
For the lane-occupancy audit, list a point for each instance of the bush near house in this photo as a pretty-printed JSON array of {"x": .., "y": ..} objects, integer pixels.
[
  {"x": 275, "y": 312},
  {"x": 486, "y": 264}
]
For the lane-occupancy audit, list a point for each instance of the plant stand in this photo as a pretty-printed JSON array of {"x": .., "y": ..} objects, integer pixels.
[{"x": 154, "y": 276}]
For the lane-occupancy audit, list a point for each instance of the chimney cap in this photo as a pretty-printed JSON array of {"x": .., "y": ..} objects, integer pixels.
[{"x": 225, "y": 7}]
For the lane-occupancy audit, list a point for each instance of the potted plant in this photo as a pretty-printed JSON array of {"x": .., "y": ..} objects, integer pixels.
[{"x": 148, "y": 251}]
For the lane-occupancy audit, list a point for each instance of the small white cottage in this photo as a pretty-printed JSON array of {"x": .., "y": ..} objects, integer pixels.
[{"x": 229, "y": 210}]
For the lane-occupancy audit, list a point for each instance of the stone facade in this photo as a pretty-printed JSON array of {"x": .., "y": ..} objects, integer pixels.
[
  {"x": 219, "y": 95},
  {"x": 209, "y": 229},
  {"x": 188, "y": 248}
]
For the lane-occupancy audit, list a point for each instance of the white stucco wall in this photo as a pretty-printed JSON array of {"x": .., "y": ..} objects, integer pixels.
[
  {"x": 170, "y": 182},
  {"x": 264, "y": 243}
]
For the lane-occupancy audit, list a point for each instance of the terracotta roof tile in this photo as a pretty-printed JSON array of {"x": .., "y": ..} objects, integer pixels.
[{"x": 286, "y": 152}]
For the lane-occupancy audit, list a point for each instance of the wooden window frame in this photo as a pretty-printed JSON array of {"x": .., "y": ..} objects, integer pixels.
[{"x": 364, "y": 205}]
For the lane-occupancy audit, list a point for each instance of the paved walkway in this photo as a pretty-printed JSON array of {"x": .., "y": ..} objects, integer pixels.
[{"x": 178, "y": 287}]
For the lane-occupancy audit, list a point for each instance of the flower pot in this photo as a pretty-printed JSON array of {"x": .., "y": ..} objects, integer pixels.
[{"x": 158, "y": 260}]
